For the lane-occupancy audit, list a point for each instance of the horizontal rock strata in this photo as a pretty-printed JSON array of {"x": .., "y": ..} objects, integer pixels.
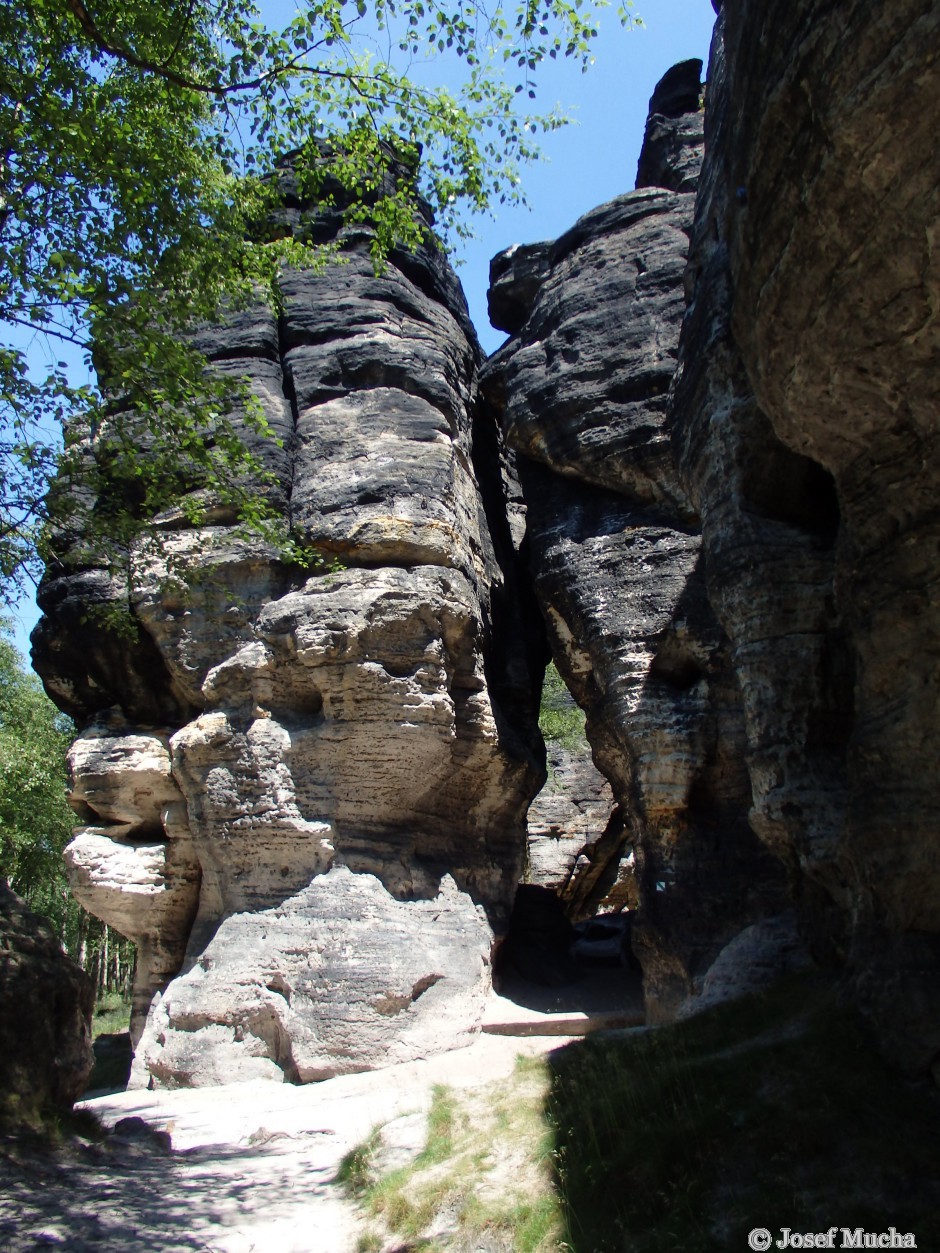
[
  {"x": 816, "y": 236},
  {"x": 288, "y": 775},
  {"x": 701, "y": 473},
  {"x": 567, "y": 825},
  {"x": 615, "y": 554}
]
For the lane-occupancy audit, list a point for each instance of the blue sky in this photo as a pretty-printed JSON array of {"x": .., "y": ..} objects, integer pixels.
[
  {"x": 594, "y": 160},
  {"x": 586, "y": 163}
]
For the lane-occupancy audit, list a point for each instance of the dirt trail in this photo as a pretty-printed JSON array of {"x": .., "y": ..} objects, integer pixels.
[{"x": 249, "y": 1168}]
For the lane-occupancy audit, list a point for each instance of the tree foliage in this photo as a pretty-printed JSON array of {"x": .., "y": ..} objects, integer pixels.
[
  {"x": 561, "y": 721},
  {"x": 36, "y": 821},
  {"x": 35, "y": 818},
  {"x": 137, "y": 143}
]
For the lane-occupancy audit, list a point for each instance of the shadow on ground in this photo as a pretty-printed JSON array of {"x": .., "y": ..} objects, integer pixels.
[
  {"x": 773, "y": 1112},
  {"x": 593, "y": 990},
  {"x": 130, "y": 1193}
]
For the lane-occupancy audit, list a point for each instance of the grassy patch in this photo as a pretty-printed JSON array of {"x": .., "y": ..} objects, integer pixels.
[
  {"x": 442, "y": 1123},
  {"x": 355, "y": 1169},
  {"x": 773, "y": 1112},
  {"x": 561, "y": 720},
  {"x": 112, "y": 1015},
  {"x": 483, "y": 1175}
]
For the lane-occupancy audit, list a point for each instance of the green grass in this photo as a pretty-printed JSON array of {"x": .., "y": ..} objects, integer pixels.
[
  {"x": 355, "y": 1169},
  {"x": 442, "y": 1120},
  {"x": 112, "y": 1015},
  {"x": 561, "y": 720},
  {"x": 773, "y": 1112},
  {"x": 483, "y": 1171}
]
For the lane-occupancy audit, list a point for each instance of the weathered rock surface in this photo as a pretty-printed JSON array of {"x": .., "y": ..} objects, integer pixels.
[
  {"x": 566, "y": 823},
  {"x": 515, "y": 278},
  {"x": 615, "y": 554},
  {"x": 134, "y": 864},
  {"x": 674, "y": 142},
  {"x": 340, "y": 977},
  {"x": 769, "y": 521},
  {"x": 805, "y": 403},
  {"x": 731, "y": 538},
  {"x": 573, "y": 820},
  {"x": 567, "y": 401},
  {"x": 314, "y": 788},
  {"x": 772, "y": 668},
  {"x": 45, "y": 1020}
]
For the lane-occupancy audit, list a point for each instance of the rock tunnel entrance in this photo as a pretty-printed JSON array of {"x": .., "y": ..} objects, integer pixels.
[{"x": 568, "y": 942}]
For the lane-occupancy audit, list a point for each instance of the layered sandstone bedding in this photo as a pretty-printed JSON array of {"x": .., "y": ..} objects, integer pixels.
[{"x": 700, "y": 475}]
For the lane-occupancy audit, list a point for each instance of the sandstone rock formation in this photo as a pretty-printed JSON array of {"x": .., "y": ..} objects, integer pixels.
[
  {"x": 674, "y": 141},
  {"x": 134, "y": 863},
  {"x": 615, "y": 555},
  {"x": 792, "y": 519},
  {"x": 804, "y": 417},
  {"x": 304, "y": 797},
  {"x": 701, "y": 474},
  {"x": 573, "y": 822},
  {"x": 45, "y": 1023},
  {"x": 566, "y": 821},
  {"x": 341, "y": 977}
]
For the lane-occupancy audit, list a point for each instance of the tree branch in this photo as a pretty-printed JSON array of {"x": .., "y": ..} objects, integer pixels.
[{"x": 123, "y": 53}]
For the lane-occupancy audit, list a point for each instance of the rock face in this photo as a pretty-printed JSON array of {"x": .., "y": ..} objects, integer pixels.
[
  {"x": 674, "y": 142},
  {"x": 306, "y": 802},
  {"x": 573, "y": 820},
  {"x": 805, "y": 420},
  {"x": 45, "y": 1023},
  {"x": 566, "y": 822},
  {"x": 615, "y": 554},
  {"x": 743, "y": 603},
  {"x": 134, "y": 864}
]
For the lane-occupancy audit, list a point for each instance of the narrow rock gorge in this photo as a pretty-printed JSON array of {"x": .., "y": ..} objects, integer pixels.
[
  {"x": 699, "y": 476},
  {"x": 581, "y": 390}
]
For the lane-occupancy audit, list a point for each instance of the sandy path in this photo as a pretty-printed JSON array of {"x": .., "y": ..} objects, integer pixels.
[{"x": 251, "y": 1168}]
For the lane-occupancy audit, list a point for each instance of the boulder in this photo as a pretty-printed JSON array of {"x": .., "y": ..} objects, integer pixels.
[
  {"x": 337, "y": 978},
  {"x": 46, "y": 1003}
]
